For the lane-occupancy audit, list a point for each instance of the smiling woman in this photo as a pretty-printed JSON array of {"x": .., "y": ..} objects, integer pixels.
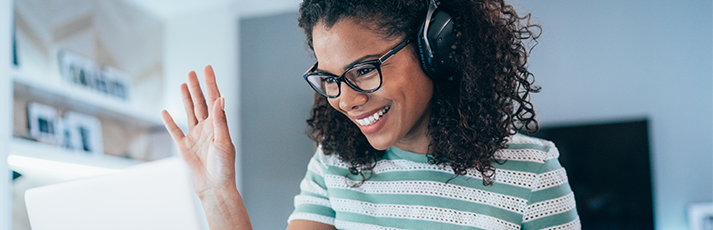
[
  {"x": 481, "y": 97},
  {"x": 403, "y": 97},
  {"x": 416, "y": 111}
]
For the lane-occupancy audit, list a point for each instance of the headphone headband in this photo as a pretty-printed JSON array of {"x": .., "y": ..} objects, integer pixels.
[{"x": 432, "y": 6}]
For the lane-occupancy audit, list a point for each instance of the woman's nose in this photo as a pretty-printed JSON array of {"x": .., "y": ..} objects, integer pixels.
[{"x": 350, "y": 99}]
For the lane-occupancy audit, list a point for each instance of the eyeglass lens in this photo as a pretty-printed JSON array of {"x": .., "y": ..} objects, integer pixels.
[{"x": 364, "y": 77}]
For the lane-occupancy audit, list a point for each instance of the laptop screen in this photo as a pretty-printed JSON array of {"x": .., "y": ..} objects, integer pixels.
[{"x": 154, "y": 195}]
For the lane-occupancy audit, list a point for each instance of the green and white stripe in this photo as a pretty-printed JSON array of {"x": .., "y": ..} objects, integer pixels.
[{"x": 530, "y": 191}]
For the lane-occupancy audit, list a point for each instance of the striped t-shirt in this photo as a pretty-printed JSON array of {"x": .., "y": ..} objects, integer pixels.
[{"x": 530, "y": 191}]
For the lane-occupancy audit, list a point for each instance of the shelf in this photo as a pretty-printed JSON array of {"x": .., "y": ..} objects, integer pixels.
[
  {"x": 125, "y": 130},
  {"x": 83, "y": 100},
  {"x": 32, "y": 149}
]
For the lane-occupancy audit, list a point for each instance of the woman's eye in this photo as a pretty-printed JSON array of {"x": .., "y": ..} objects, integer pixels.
[
  {"x": 329, "y": 80},
  {"x": 365, "y": 71}
]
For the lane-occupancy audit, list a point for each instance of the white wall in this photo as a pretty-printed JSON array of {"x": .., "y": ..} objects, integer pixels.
[
  {"x": 5, "y": 115},
  {"x": 611, "y": 59}
]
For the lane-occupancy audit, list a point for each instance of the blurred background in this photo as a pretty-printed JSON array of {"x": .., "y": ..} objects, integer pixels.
[{"x": 627, "y": 96}]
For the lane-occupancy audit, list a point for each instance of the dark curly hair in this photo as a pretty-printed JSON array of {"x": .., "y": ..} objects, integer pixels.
[{"x": 472, "y": 115}]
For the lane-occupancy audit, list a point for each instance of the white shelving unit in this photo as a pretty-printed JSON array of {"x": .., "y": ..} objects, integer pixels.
[
  {"x": 130, "y": 133},
  {"x": 6, "y": 14},
  {"x": 69, "y": 97},
  {"x": 185, "y": 48},
  {"x": 32, "y": 149},
  {"x": 81, "y": 100}
]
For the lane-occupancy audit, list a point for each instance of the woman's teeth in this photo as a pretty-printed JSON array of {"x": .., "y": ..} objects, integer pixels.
[{"x": 373, "y": 118}]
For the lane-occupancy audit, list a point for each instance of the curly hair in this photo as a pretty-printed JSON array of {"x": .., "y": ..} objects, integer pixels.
[{"x": 472, "y": 115}]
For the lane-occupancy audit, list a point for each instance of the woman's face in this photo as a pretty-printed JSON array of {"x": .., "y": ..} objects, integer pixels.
[{"x": 401, "y": 106}]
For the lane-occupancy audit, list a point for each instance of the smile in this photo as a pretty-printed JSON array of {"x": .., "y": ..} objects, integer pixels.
[{"x": 373, "y": 118}]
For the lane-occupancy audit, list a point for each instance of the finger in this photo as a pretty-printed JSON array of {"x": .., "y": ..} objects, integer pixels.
[
  {"x": 199, "y": 106},
  {"x": 211, "y": 86},
  {"x": 220, "y": 124},
  {"x": 175, "y": 132},
  {"x": 188, "y": 106}
]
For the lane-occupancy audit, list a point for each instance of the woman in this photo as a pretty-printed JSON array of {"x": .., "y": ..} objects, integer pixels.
[{"x": 416, "y": 118}]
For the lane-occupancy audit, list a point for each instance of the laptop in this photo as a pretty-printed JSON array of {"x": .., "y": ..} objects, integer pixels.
[{"x": 153, "y": 195}]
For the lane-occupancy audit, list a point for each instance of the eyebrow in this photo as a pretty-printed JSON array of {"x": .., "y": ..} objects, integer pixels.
[{"x": 357, "y": 61}]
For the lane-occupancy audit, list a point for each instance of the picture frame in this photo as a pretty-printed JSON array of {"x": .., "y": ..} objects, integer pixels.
[
  {"x": 101, "y": 84},
  {"x": 83, "y": 72},
  {"x": 85, "y": 133},
  {"x": 118, "y": 83},
  {"x": 42, "y": 123},
  {"x": 76, "y": 69},
  {"x": 65, "y": 141}
]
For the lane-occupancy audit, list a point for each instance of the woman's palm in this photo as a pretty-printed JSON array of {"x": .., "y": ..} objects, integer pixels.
[{"x": 207, "y": 148}]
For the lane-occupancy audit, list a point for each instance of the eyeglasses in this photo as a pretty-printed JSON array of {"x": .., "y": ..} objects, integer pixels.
[{"x": 364, "y": 77}]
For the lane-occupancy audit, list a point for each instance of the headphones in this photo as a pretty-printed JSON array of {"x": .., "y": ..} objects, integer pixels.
[{"x": 435, "y": 43}]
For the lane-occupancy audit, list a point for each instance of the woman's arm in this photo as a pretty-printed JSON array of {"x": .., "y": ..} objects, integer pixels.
[
  {"x": 306, "y": 224},
  {"x": 209, "y": 153},
  {"x": 225, "y": 210}
]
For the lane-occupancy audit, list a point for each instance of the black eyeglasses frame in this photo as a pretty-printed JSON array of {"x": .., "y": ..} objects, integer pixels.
[{"x": 377, "y": 63}]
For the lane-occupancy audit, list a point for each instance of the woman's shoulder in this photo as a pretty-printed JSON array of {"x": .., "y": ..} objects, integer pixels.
[
  {"x": 526, "y": 148},
  {"x": 327, "y": 160}
]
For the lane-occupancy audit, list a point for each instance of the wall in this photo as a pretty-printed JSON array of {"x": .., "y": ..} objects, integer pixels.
[
  {"x": 275, "y": 102},
  {"x": 609, "y": 60},
  {"x": 6, "y": 7}
]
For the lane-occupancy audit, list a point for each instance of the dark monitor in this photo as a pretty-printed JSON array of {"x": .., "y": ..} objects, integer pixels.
[{"x": 608, "y": 167}]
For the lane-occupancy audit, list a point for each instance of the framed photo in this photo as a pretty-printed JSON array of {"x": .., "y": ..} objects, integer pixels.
[
  {"x": 117, "y": 82},
  {"x": 65, "y": 139},
  {"x": 42, "y": 123},
  {"x": 84, "y": 132},
  {"x": 700, "y": 216},
  {"x": 100, "y": 83},
  {"x": 76, "y": 69}
]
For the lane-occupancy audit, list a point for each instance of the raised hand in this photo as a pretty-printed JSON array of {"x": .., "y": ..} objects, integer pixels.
[
  {"x": 207, "y": 148},
  {"x": 209, "y": 152}
]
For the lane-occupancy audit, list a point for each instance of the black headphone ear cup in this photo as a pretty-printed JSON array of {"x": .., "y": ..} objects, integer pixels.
[
  {"x": 440, "y": 37},
  {"x": 423, "y": 52}
]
